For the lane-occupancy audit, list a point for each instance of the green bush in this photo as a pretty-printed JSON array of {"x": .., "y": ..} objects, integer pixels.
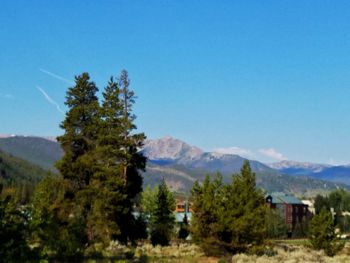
[{"x": 322, "y": 233}]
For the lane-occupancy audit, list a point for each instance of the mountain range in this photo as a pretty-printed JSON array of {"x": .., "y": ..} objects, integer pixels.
[
  {"x": 182, "y": 164},
  {"x": 339, "y": 173}
]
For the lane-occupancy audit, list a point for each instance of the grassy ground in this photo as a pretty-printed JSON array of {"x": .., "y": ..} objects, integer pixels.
[
  {"x": 295, "y": 254},
  {"x": 297, "y": 242},
  {"x": 289, "y": 251}
]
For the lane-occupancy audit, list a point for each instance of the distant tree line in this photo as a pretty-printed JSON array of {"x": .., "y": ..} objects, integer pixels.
[
  {"x": 18, "y": 177},
  {"x": 338, "y": 202}
]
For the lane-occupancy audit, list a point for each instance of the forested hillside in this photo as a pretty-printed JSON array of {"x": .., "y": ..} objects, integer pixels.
[
  {"x": 36, "y": 150},
  {"x": 18, "y": 177},
  {"x": 180, "y": 173},
  {"x": 15, "y": 171},
  {"x": 181, "y": 178}
]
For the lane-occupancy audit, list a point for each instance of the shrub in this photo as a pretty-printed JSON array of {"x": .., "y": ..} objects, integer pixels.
[{"x": 322, "y": 233}]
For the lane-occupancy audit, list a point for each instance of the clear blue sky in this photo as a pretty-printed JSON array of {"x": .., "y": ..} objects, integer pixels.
[{"x": 268, "y": 77}]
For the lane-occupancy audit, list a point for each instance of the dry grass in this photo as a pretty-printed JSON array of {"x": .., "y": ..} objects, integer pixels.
[
  {"x": 295, "y": 254},
  {"x": 182, "y": 252},
  {"x": 190, "y": 253}
]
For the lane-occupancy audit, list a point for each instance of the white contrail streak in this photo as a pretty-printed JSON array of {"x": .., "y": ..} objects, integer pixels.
[
  {"x": 50, "y": 100},
  {"x": 56, "y": 76}
]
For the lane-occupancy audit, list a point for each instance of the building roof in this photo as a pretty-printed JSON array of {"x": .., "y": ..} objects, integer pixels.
[{"x": 285, "y": 199}]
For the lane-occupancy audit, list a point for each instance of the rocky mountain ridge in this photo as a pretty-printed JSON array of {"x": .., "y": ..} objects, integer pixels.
[{"x": 180, "y": 164}]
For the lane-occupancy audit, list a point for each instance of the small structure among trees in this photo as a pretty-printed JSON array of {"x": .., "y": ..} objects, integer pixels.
[{"x": 292, "y": 210}]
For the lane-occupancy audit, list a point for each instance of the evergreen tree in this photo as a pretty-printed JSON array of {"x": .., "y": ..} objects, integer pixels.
[
  {"x": 322, "y": 233},
  {"x": 162, "y": 218},
  {"x": 335, "y": 200},
  {"x": 229, "y": 217},
  {"x": 81, "y": 129},
  {"x": 184, "y": 228},
  {"x": 207, "y": 206},
  {"x": 248, "y": 218},
  {"x": 321, "y": 202},
  {"x": 344, "y": 224},
  {"x": 13, "y": 232},
  {"x": 300, "y": 228},
  {"x": 120, "y": 161},
  {"x": 100, "y": 172},
  {"x": 78, "y": 166},
  {"x": 134, "y": 161},
  {"x": 149, "y": 200},
  {"x": 345, "y": 202},
  {"x": 275, "y": 224},
  {"x": 52, "y": 236},
  {"x": 138, "y": 228}
]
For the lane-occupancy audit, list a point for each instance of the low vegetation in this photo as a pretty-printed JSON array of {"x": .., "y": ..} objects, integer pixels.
[{"x": 293, "y": 254}]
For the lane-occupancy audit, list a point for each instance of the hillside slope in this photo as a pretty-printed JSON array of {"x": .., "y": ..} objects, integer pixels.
[
  {"x": 179, "y": 163},
  {"x": 36, "y": 150},
  {"x": 181, "y": 178},
  {"x": 15, "y": 171}
]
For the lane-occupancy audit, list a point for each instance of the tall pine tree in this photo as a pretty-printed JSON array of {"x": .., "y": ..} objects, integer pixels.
[
  {"x": 248, "y": 211},
  {"x": 162, "y": 218},
  {"x": 120, "y": 161},
  {"x": 78, "y": 164},
  {"x": 81, "y": 130},
  {"x": 100, "y": 170}
]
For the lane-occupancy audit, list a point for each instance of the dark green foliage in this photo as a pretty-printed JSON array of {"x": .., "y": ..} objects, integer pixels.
[
  {"x": 229, "y": 217},
  {"x": 345, "y": 201},
  {"x": 248, "y": 210},
  {"x": 275, "y": 224},
  {"x": 53, "y": 234},
  {"x": 184, "y": 230},
  {"x": 92, "y": 201},
  {"x": 322, "y": 235},
  {"x": 339, "y": 201},
  {"x": 321, "y": 202},
  {"x": 120, "y": 161},
  {"x": 15, "y": 172},
  {"x": 78, "y": 166},
  {"x": 301, "y": 228},
  {"x": 162, "y": 218},
  {"x": 335, "y": 200},
  {"x": 344, "y": 224},
  {"x": 138, "y": 228},
  {"x": 206, "y": 212},
  {"x": 149, "y": 200},
  {"x": 81, "y": 129},
  {"x": 13, "y": 232}
]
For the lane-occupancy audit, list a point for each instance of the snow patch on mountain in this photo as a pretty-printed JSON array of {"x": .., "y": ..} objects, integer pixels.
[{"x": 314, "y": 167}]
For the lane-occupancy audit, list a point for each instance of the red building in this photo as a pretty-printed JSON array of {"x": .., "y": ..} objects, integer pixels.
[{"x": 291, "y": 208}]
